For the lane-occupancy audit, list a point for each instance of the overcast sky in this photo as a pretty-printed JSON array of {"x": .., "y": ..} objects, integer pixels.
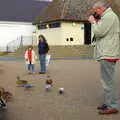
[{"x": 44, "y": 0}]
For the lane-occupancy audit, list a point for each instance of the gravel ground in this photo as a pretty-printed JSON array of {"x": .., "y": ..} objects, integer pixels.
[{"x": 79, "y": 78}]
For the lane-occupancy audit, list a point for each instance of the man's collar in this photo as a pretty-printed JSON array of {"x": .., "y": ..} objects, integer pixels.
[{"x": 107, "y": 10}]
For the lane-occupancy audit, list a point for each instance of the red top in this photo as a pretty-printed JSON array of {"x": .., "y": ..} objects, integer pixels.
[
  {"x": 30, "y": 55},
  {"x": 112, "y": 60}
]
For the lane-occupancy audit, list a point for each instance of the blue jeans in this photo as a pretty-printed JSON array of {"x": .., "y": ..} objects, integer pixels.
[
  {"x": 31, "y": 67},
  {"x": 43, "y": 63}
]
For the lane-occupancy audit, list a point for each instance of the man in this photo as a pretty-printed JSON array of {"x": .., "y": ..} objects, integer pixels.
[{"x": 106, "y": 29}]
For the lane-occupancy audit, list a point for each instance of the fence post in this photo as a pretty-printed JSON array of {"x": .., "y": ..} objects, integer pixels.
[
  {"x": 21, "y": 41},
  {"x": 7, "y": 48}
]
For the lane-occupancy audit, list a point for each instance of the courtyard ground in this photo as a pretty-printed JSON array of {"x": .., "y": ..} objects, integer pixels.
[{"x": 79, "y": 78}]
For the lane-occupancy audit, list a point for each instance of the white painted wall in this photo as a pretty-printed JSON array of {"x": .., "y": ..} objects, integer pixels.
[
  {"x": 73, "y": 30},
  {"x": 58, "y": 36},
  {"x": 53, "y": 35},
  {"x": 10, "y": 31}
]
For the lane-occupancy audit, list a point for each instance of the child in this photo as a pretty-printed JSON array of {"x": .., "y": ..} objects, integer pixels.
[{"x": 30, "y": 59}]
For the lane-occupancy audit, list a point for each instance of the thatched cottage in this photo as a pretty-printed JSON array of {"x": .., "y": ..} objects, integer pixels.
[{"x": 64, "y": 22}]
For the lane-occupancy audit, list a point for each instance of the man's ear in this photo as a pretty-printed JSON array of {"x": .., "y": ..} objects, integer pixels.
[{"x": 103, "y": 9}]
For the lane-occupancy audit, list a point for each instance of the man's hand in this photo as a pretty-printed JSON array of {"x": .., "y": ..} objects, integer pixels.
[{"x": 91, "y": 19}]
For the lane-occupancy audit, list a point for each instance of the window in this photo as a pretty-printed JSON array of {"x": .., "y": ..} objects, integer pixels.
[
  {"x": 54, "y": 25},
  {"x": 67, "y": 39},
  {"x": 42, "y": 26},
  {"x": 71, "y": 39}
]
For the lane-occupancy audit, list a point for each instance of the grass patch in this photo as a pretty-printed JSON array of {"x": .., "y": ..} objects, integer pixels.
[{"x": 3, "y": 53}]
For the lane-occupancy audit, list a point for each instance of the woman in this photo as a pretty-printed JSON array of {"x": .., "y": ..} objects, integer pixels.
[{"x": 43, "y": 49}]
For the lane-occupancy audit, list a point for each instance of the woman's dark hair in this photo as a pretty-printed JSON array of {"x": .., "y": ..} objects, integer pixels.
[{"x": 42, "y": 36}]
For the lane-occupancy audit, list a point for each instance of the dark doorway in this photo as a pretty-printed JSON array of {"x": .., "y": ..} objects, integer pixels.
[{"x": 87, "y": 33}]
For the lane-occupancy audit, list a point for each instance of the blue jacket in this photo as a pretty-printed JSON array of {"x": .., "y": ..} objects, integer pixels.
[{"x": 43, "y": 48}]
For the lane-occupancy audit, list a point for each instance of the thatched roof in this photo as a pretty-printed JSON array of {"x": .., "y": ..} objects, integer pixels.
[{"x": 70, "y": 10}]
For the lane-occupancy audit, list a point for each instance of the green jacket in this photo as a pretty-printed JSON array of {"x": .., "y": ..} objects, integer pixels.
[{"x": 107, "y": 32}]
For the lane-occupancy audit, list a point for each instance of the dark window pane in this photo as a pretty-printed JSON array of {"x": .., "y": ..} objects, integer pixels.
[
  {"x": 67, "y": 39},
  {"x": 71, "y": 39},
  {"x": 54, "y": 25},
  {"x": 42, "y": 26}
]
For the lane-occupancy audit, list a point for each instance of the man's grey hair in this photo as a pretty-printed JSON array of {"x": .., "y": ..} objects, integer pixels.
[{"x": 101, "y": 4}]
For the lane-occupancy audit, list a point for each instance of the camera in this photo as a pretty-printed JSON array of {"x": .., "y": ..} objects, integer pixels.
[{"x": 96, "y": 16}]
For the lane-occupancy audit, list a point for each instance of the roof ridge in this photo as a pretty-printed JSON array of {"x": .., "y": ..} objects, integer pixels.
[{"x": 69, "y": 10}]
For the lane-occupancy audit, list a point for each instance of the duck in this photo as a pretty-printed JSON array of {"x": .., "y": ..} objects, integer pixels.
[{"x": 20, "y": 82}]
